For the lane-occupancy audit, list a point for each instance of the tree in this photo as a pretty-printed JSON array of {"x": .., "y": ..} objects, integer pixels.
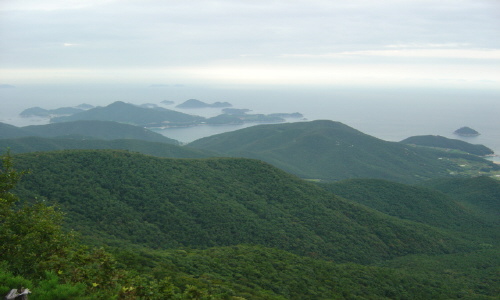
[
  {"x": 31, "y": 236},
  {"x": 8, "y": 180}
]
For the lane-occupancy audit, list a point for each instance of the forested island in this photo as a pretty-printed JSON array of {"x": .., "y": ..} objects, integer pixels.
[
  {"x": 48, "y": 113},
  {"x": 194, "y": 103}
]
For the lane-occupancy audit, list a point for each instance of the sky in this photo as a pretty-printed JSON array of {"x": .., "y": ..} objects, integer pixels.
[{"x": 408, "y": 43}]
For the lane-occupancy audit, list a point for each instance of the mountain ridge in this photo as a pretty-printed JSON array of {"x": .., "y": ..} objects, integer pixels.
[
  {"x": 328, "y": 150},
  {"x": 84, "y": 129}
]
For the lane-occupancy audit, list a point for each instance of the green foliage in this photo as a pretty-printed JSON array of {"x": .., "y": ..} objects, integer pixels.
[
  {"x": 52, "y": 289},
  {"x": 471, "y": 274},
  {"x": 332, "y": 151},
  {"x": 9, "y": 281},
  {"x": 446, "y": 143},
  {"x": 480, "y": 194},
  {"x": 30, "y": 236},
  {"x": 118, "y": 197},
  {"x": 412, "y": 203},
  {"x": 256, "y": 272},
  {"x": 32, "y": 242},
  {"x": 8, "y": 180},
  {"x": 216, "y": 201}
]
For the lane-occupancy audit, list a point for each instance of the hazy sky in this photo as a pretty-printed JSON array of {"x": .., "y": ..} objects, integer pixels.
[{"x": 445, "y": 43}]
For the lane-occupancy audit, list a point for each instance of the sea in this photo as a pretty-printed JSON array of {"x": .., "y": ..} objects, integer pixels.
[{"x": 391, "y": 114}]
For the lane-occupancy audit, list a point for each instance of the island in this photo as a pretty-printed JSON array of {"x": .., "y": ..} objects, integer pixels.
[
  {"x": 194, "y": 103},
  {"x": 122, "y": 112},
  {"x": 48, "y": 113},
  {"x": 466, "y": 131},
  {"x": 151, "y": 115},
  {"x": 167, "y": 102}
]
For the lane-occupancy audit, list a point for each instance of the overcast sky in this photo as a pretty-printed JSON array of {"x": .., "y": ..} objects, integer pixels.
[{"x": 449, "y": 43}]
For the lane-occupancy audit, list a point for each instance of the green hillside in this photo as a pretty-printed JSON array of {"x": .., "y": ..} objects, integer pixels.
[
  {"x": 257, "y": 272},
  {"x": 131, "y": 114},
  {"x": 34, "y": 144},
  {"x": 330, "y": 150},
  {"x": 36, "y": 253},
  {"x": 105, "y": 130},
  {"x": 414, "y": 203},
  {"x": 114, "y": 196},
  {"x": 8, "y": 131},
  {"x": 446, "y": 143},
  {"x": 481, "y": 194}
]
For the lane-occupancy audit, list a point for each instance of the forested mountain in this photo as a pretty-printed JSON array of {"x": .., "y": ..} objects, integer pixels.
[
  {"x": 416, "y": 203},
  {"x": 34, "y": 144},
  {"x": 330, "y": 150},
  {"x": 132, "y": 114},
  {"x": 446, "y": 143},
  {"x": 270, "y": 235},
  {"x": 105, "y": 130},
  {"x": 166, "y": 203},
  {"x": 481, "y": 194}
]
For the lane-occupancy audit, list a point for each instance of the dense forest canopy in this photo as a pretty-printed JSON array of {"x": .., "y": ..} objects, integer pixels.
[
  {"x": 117, "y": 224},
  {"x": 166, "y": 203}
]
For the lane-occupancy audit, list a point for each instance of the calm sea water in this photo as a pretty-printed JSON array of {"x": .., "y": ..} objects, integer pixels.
[{"x": 389, "y": 114}]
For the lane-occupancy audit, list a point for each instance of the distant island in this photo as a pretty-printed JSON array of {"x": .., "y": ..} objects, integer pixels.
[
  {"x": 48, "y": 113},
  {"x": 150, "y": 115},
  {"x": 122, "y": 112},
  {"x": 194, "y": 103},
  {"x": 466, "y": 131},
  {"x": 239, "y": 116},
  {"x": 167, "y": 102}
]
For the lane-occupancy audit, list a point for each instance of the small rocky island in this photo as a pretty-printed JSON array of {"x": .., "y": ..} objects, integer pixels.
[{"x": 466, "y": 131}]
